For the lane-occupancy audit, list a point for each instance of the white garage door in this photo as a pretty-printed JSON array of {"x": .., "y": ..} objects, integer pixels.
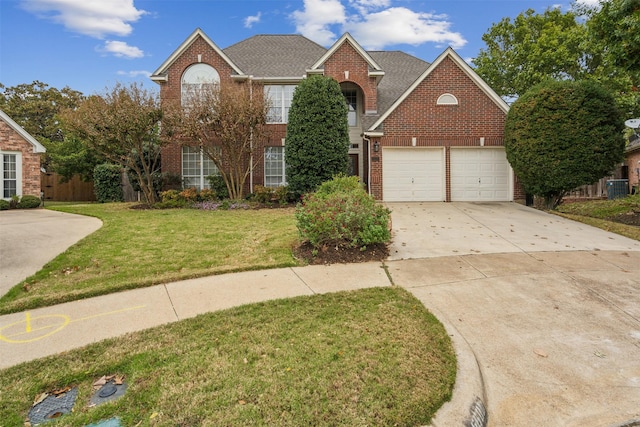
[
  {"x": 479, "y": 174},
  {"x": 413, "y": 174}
]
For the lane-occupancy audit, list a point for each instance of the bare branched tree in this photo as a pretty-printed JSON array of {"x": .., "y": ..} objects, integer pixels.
[{"x": 226, "y": 122}]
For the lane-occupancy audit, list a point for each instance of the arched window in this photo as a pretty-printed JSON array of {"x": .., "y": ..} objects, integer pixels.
[
  {"x": 195, "y": 78},
  {"x": 447, "y": 99}
]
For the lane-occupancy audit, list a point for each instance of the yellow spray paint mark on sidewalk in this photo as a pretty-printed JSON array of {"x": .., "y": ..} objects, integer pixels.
[
  {"x": 28, "y": 315},
  {"x": 34, "y": 328}
]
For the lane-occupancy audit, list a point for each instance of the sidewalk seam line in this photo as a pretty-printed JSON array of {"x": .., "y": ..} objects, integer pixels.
[
  {"x": 302, "y": 280},
  {"x": 171, "y": 301}
]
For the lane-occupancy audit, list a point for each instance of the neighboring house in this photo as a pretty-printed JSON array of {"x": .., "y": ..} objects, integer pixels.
[
  {"x": 419, "y": 131},
  {"x": 19, "y": 160},
  {"x": 632, "y": 162}
]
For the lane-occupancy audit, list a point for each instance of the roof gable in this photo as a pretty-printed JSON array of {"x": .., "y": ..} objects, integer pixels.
[
  {"x": 448, "y": 53},
  {"x": 375, "y": 69},
  {"x": 161, "y": 73},
  {"x": 37, "y": 147}
]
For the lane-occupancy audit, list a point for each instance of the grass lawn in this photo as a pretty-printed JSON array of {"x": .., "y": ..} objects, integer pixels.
[
  {"x": 137, "y": 248},
  {"x": 362, "y": 358},
  {"x": 600, "y": 213}
]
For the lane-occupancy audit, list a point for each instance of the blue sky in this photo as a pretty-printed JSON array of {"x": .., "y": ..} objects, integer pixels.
[{"x": 89, "y": 45}]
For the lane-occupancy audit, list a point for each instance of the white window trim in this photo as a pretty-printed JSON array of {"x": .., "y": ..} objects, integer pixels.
[
  {"x": 213, "y": 78},
  {"x": 18, "y": 155},
  {"x": 201, "y": 177},
  {"x": 447, "y": 99},
  {"x": 284, "y": 169},
  {"x": 283, "y": 105}
]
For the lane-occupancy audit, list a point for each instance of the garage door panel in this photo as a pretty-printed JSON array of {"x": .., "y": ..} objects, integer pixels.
[
  {"x": 479, "y": 174},
  {"x": 412, "y": 174}
]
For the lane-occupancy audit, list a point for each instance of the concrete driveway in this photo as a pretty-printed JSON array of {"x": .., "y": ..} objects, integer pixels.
[
  {"x": 549, "y": 308},
  {"x": 33, "y": 237}
]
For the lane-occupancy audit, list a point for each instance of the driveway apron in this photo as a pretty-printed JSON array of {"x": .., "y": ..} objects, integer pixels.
[
  {"x": 33, "y": 237},
  {"x": 550, "y": 308}
]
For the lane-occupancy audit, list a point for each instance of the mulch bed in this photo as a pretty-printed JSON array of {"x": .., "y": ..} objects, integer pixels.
[
  {"x": 341, "y": 254},
  {"x": 629, "y": 218}
]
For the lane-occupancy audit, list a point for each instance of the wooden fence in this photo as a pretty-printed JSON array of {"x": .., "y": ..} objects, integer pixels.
[
  {"x": 74, "y": 190},
  {"x": 597, "y": 190}
]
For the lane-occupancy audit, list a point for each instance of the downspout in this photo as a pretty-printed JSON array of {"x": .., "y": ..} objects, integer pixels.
[
  {"x": 369, "y": 163},
  {"x": 251, "y": 141}
]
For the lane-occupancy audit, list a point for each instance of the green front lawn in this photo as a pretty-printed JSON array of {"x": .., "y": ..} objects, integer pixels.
[
  {"x": 374, "y": 357},
  {"x": 137, "y": 248},
  {"x": 607, "y": 214}
]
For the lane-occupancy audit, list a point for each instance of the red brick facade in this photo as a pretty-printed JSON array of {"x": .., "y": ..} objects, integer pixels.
[
  {"x": 416, "y": 121},
  {"x": 347, "y": 65},
  {"x": 11, "y": 142},
  {"x": 632, "y": 161},
  {"x": 475, "y": 116}
]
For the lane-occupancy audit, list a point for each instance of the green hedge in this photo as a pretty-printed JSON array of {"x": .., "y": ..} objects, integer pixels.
[{"x": 107, "y": 183}]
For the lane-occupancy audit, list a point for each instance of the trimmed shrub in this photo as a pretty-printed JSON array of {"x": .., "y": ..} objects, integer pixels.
[
  {"x": 106, "y": 182},
  {"x": 29, "y": 202},
  {"x": 560, "y": 135},
  {"x": 317, "y": 134},
  {"x": 350, "y": 218},
  {"x": 217, "y": 184},
  {"x": 268, "y": 195},
  {"x": 4, "y": 205},
  {"x": 188, "y": 197},
  {"x": 340, "y": 183}
]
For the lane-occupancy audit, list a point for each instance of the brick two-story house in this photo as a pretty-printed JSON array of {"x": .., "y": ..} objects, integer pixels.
[
  {"x": 19, "y": 160},
  {"x": 419, "y": 131}
]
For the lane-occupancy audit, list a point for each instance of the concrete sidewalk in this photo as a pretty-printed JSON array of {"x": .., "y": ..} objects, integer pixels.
[
  {"x": 549, "y": 338},
  {"x": 544, "y": 313},
  {"x": 50, "y": 330}
]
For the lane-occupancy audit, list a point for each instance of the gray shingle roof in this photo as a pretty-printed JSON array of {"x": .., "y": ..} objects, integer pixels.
[
  {"x": 272, "y": 56},
  {"x": 400, "y": 71},
  {"x": 275, "y": 55}
]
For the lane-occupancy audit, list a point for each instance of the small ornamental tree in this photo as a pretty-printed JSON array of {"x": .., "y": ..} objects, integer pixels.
[
  {"x": 227, "y": 122},
  {"x": 562, "y": 134},
  {"x": 317, "y": 146},
  {"x": 123, "y": 126}
]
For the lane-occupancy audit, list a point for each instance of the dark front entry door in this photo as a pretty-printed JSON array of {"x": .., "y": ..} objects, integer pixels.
[{"x": 354, "y": 170}]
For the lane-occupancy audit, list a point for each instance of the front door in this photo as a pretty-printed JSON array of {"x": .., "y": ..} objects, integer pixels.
[{"x": 354, "y": 166}]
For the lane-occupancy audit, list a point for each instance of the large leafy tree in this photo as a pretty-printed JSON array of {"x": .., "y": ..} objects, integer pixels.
[
  {"x": 562, "y": 134},
  {"x": 613, "y": 30},
  {"x": 35, "y": 107},
  {"x": 226, "y": 122},
  {"x": 596, "y": 43},
  {"x": 123, "y": 126},
  {"x": 317, "y": 145},
  {"x": 531, "y": 48},
  {"x": 615, "y": 23}
]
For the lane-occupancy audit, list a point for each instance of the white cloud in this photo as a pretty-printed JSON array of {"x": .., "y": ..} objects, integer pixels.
[
  {"x": 134, "y": 73},
  {"x": 315, "y": 20},
  {"x": 374, "y": 23},
  {"x": 365, "y": 6},
  {"x": 95, "y": 18},
  {"x": 398, "y": 25},
  {"x": 250, "y": 20},
  {"x": 121, "y": 49},
  {"x": 588, "y": 3}
]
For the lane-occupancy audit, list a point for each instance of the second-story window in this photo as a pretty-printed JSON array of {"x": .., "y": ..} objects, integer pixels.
[
  {"x": 280, "y": 97},
  {"x": 351, "y": 96},
  {"x": 196, "y": 78}
]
